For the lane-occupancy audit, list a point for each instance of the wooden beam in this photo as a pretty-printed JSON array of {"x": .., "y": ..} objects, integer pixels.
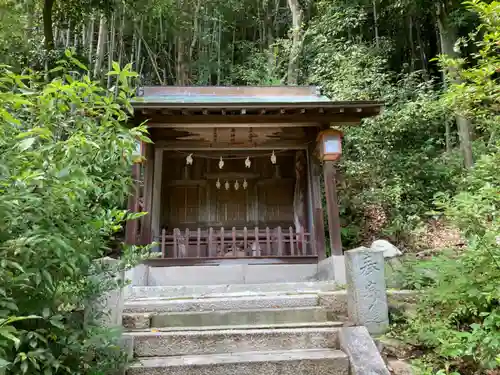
[
  {"x": 156, "y": 204},
  {"x": 269, "y": 120},
  {"x": 332, "y": 207},
  {"x": 196, "y": 145},
  {"x": 229, "y": 125}
]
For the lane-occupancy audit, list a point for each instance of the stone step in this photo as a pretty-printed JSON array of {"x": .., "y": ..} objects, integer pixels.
[
  {"x": 336, "y": 323},
  {"x": 225, "y": 317},
  {"x": 199, "y": 291},
  {"x": 159, "y": 305},
  {"x": 303, "y": 362},
  {"x": 219, "y": 340}
]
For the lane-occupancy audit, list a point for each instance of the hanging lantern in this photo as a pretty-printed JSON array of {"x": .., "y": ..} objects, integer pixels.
[
  {"x": 245, "y": 184},
  {"x": 329, "y": 143},
  {"x": 217, "y": 184},
  {"x": 221, "y": 163},
  {"x": 248, "y": 163},
  {"x": 273, "y": 158},
  {"x": 236, "y": 185},
  {"x": 226, "y": 185},
  {"x": 189, "y": 159}
]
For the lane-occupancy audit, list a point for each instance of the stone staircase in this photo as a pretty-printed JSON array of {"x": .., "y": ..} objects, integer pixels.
[{"x": 279, "y": 328}]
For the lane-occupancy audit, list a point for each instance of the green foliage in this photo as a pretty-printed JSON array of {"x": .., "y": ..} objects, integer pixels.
[
  {"x": 474, "y": 80},
  {"x": 458, "y": 318},
  {"x": 65, "y": 160},
  {"x": 380, "y": 166}
]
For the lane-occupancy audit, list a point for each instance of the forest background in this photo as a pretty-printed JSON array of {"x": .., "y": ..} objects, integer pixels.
[{"x": 425, "y": 174}]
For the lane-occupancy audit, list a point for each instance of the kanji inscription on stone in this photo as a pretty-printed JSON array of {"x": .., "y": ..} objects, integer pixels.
[{"x": 366, "y": 289}]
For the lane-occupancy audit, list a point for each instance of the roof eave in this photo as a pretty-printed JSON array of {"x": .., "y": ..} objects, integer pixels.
[{"x": 276, "y": 105}]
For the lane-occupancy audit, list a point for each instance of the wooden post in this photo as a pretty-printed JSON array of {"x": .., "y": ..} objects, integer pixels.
[
  {"x": 156, "y": 204},
  {"x": 280, "y": 242},
  {"x": 176, "y": 254},
  {"x": 245, "y": 242},
  {"x": 148, "y": 193},
  {"x": 163, "y": 240},
  {"x": 198, "y": 243},
  {"x": 210, "y": 243},
  {"x": 318, "y": 230},
  {"x": 133, "y": 206},
  {"x": 186, "y": 243},
  {"x": 268, "y": 241},
  {"x": 332, "y": 207},
  {"x": 222, "y": 242},
  {"x": 256, "y": 232}
]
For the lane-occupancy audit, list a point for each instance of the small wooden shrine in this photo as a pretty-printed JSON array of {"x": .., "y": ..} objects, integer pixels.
[{"x": 234, "y": 172}]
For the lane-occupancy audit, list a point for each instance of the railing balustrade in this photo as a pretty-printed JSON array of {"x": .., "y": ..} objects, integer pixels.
[{"x": 235, "y": 243}]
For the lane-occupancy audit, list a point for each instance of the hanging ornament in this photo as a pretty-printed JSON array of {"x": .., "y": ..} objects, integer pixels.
[
  {"x": 273, "y": 158},
  {"x": 248, "y": 163},
  {"x": 189, "y": 159},
  {"x": 221, "y": 163},
  {"x": 226, "y": 185},
  {"x": 217, "y": 184},
  {"x": 245, "y": 184},
  {"x": 236, "y": 185}
]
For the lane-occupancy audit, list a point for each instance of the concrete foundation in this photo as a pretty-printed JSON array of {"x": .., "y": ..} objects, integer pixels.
[{"x": 231, "y": 274}]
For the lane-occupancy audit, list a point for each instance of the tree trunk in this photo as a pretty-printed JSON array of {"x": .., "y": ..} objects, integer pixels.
[
  {"x": 375, "y": 22},
  {"x": 101, "y": 45},
  {"x": 293, "y": 62},
  {"x": 111, "y": 48},
  {"x": 139, "y": 47},
  {"x": 412, "y": 44},
  {"x": 448, "y": 37},
  {"x": 90, "y": 42},
  {"x": 219, "y": 40},
  {"x": 68, "y": 35},
  {"x": 421, "y": 49},
  {"x": 48, "y": 32}
]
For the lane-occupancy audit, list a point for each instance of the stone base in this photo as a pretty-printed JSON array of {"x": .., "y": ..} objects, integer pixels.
[
  {"x": 364, "y": 357},
  {"x": 332, "y": 269}
]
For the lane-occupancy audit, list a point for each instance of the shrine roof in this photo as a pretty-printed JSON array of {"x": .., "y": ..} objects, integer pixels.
[{"x": 231, "y": 97}]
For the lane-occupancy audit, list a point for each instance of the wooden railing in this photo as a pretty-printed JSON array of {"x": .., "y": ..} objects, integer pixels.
[{"x": 235, "y": 243}]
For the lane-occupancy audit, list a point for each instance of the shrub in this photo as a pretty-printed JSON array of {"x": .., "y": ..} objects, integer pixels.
[
  {"x": 65, "y": 161},
  {"x": 458, "y": 319}
]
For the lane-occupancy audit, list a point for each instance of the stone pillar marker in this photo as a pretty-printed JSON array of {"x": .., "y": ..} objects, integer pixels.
[{"x": 366, "y": 289}]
